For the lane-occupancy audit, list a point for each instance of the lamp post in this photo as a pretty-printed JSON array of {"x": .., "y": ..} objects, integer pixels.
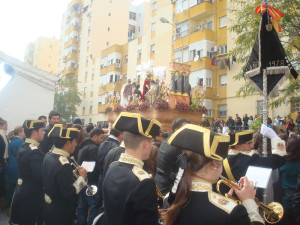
[{"x": 164, "y": 20}]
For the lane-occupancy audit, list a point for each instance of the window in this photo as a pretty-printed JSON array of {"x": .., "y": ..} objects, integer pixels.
[
  {"x": 179, "y": 53},
  {"x": 152, "y": 49},
  {"x": 209, "y": 113},
  {"x": 182, "y": 29},
  {"x": 109, "y": 14},
  {"x": 139, "y": 54},
  {"x": 154, "y": 6},
  {"x": 260, "y": 107},
  {"x": 181, "y": 5},
  {"x": 108, "y": 29},
  {"x": 111, "y": 78},
  {"x": 222, "y": 110},
  {"x": 153, "y": 26},
  {"x": 118, "y": 60},
  {"x": 192, "y": 54},
  {"x": 223, "y": 80},
  {"x": 117, "y": 78},
  {"x": 223, "y": 49},
  {"x": 223, "y": 21},
  {"x": 208, "y": 82},
  {"x": 126, "y": 59},
  {"x": 132, "y": 16},
  {"x": 131, "y": 28},
  {"x": 209, "y": 25}
]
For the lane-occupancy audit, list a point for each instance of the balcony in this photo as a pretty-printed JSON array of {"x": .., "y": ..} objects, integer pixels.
[
  {"x": 195, "y": 35},
  {"x": 68, "y": 71},
  {"x": 110, "y": 87},
  {"x": 202, "y": 63},
  {"x": 72, "y": 41},
  {"x": 114, "y": 67},
  {"x": 199, "y": 11},
  {"x": 74, "y": 14},
  {"x": 72, "y": 28},
  {"x": 70, "y": 56}
]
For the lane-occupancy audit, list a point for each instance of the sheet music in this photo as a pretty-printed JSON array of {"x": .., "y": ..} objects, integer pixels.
[
  {"x": 260, "y": 176},
  {"x": 89, "y": 166}
]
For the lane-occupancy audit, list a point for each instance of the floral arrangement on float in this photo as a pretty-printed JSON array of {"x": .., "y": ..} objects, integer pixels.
[
  {"x": 162, "y": 105},
  {"x": 183, "y": 107},
  {"x": 161, "y": 100},
  {"x": 142, "y": 106}
]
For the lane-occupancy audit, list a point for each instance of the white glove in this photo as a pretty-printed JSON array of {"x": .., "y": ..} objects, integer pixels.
[{"x": 268, "y": 132}]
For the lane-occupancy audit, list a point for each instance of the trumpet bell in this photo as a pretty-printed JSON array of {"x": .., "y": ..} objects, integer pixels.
[
  {"x": 91, "y": 190},
  {"x": 276, "y": 214}
]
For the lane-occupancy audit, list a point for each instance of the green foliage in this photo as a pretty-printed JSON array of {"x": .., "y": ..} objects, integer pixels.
[
  {"x": 256, "y": 125},
  {"x": 67, "y": 98},
  {"x": 246, "y": 23}
]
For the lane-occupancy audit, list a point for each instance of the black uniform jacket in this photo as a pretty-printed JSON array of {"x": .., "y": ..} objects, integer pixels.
[
  {"x": 89, "y": 152},
  {"x": 60, "y": 188},
  {"x": 166, "y": 166},
  {"x": 47, "y": 143},
  {"x": 112, "y": 156},
  {"x": 240, "y": 161},
  {"x": 28, "y": 197},
  {"x": 207, "y": 207},
  {"x": 129, "y": 194}
]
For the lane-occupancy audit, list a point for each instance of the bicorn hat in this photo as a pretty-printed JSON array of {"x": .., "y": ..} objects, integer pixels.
[
  {"x": 64, "y": 133},
  {"x": 240, "y": 137},
  {"x": 33, "y": 124},
  {"x": 201, "y": 141},
  {"x": 134, "y": 123}
]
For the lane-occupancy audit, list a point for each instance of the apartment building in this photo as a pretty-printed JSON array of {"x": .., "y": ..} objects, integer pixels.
[
  {"x": 43, "y": 54},
  {"x": 95, "y": 36},
  {"x": 200, "y": 40}
]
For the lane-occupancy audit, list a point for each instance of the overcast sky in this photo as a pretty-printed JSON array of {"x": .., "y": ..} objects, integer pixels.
[{"x": 23, "y": 21}]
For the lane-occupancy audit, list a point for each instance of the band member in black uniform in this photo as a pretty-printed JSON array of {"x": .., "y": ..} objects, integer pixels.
[
  {"x": 240, "y": 157},
  {"x": 59, "y": 186},
  {"x": 129, "y": 192},
  {"x": 195, "y": 202},
  {"x": 27, "y": 201}
]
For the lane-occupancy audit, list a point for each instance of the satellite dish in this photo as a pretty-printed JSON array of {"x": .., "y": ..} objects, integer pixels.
[{"x": 196, "y": 58}]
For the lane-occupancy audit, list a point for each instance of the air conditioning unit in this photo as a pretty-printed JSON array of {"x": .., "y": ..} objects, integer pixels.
[
  {"x": 118, "y": 65},
  {"x": 214, "y": 49}
]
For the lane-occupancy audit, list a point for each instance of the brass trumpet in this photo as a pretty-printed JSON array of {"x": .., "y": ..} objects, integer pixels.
[
  {"x": 91, "y": 190},
  {"x": 273, "y": 212}
]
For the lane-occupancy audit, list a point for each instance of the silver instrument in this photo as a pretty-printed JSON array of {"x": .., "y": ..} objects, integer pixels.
[{"x": 91, "y": 190}]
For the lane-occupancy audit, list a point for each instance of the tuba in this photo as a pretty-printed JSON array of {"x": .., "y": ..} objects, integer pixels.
[
  {"x": 91, "y": 190},
  {"x": 273, "y": 212}
]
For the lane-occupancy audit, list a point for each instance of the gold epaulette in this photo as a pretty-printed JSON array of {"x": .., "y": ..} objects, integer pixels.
[
  {"x": 140, "y": 173},
  {"x": 63, "y": 160},
  {"x": 221, "y": 202}
]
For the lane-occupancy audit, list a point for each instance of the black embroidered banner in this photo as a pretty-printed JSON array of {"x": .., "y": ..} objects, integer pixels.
[{"x": 268, "y": 53}]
